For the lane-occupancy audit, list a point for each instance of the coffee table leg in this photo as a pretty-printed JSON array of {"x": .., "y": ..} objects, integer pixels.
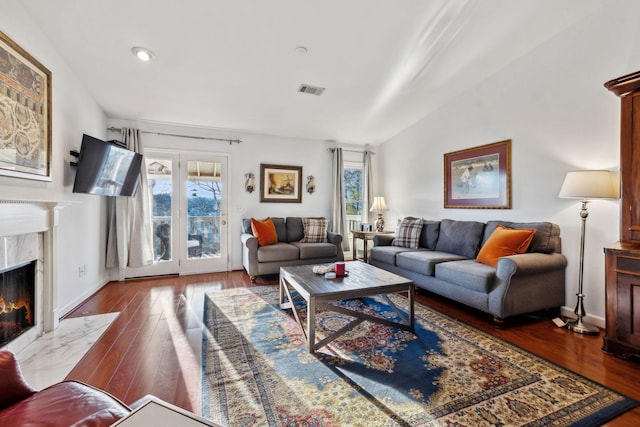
[
  {"x": 311, "y": 324},
  {"x": 411, "y": 311}
]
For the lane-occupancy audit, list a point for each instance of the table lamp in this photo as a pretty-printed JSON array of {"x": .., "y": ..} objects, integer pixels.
[
  {"x": 379, "y": 205},
  {"x": 586, "y": 185}
]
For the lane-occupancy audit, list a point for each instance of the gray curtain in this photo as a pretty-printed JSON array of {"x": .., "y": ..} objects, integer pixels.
[
  {"x": 129, "y": 233},
  {"x": 339, "y": 208},
  {"x": 367, "y": 185}
]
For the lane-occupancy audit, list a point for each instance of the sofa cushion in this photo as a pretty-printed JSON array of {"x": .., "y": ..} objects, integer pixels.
[
  {"x": 281, "y": 229},
  {"x": 295, "y": 229},
  {"x": 429, "y": 234},
  {"x": 460, "y": 237},
  {"x": 387, "y": 254},
  {"x": 264, "y": 231},
  {"x": 316, "y": 250},
  {"x": 424, "y": 261},
  {"x": 505, "y": 242},
  {"x": 543, "y": 240},
  {"x": 278, "y": 252},
  {"x": 467, "y": 274},
  {"x": 408, "y": 233},
  {"x": 315, "y": 230}
]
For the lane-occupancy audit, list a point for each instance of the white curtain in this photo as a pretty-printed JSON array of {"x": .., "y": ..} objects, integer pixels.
[
  {"x": 339, "y": 208},
  {"x": 367, "y": 186},
  {"x": 129, "y": 233}
]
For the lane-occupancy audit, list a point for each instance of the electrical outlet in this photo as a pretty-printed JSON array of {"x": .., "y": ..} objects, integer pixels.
[{"x": 82, "y": 269}]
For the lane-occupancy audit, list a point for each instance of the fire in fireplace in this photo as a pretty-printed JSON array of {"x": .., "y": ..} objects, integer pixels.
[{"x": 17, "y": 301}]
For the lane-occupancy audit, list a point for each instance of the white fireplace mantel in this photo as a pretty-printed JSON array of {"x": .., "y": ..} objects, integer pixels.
[{"x": 23, "y": 216}]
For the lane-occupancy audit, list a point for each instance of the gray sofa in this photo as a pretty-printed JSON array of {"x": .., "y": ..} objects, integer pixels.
[
  {"x": 444, "y": 263},
  {"x": 260, "y": 260}
]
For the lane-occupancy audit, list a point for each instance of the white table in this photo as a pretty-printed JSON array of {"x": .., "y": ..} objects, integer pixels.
[{"x": 157, "y": 412}]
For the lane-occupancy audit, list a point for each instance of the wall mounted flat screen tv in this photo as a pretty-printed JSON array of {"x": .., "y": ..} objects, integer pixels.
[{"x": 106, "y": 169}]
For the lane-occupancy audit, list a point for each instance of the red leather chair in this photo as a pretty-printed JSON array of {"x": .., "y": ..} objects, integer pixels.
[{"x": 69, "y": 403}]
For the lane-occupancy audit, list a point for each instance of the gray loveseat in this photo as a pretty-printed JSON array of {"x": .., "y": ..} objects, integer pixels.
[
  {"x": 444, "y": 263},
  {"x": 260, "y": 260}
]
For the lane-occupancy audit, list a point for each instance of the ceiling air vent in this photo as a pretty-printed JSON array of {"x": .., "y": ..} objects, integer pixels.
[{"x": 312, "y": 90}]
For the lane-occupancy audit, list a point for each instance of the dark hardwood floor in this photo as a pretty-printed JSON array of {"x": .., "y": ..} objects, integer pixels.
[{"x": 154, "y": 346}]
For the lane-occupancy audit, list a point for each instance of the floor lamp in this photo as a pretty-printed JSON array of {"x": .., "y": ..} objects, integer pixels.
[{"x": 586, "y": 185}]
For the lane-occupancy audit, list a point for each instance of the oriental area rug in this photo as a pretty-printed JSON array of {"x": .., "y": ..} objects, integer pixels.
[{"x": 257, "y": 372}]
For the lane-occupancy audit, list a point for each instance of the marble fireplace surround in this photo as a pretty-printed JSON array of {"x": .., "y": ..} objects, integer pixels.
[{"x": 29, "y": 231}]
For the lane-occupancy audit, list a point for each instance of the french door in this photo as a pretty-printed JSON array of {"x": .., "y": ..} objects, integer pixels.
[{"x": 189, "y": 213}]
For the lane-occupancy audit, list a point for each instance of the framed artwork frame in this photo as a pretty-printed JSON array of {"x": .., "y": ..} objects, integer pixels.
[
  {"x": 280, "y": 183},
  {"x": 479, "y": 177},
  {"x": 25, "y": 114}
]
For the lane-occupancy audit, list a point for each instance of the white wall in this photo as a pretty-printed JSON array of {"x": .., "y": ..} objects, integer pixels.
[
  {"x": 552, "y": 104},
  {"x": 314, "y": 157},
  {"x": 74, "y": 112}
]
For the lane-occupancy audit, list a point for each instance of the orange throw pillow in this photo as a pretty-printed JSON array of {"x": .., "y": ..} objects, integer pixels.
[
  {"x": 504, "y": 242},
  {"x": 264, "y": 231}
]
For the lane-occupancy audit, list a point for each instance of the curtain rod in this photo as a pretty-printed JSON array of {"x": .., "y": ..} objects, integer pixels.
[
  {"x": 352, "y": 151},
  {"x": 230, "y": 141}
]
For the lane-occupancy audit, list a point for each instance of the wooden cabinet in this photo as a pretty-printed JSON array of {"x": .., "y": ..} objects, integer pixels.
[
  {"x": 628, "y": 89},
  {"x": 622, "y": 268},
  {"x": 622, "y": 335}
]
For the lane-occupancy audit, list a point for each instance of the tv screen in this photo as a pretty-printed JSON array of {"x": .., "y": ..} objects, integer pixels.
[{"x": 106, "y": 169}]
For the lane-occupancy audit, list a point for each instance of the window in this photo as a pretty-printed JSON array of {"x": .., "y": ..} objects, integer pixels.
[{"x": 353, "y": 191}]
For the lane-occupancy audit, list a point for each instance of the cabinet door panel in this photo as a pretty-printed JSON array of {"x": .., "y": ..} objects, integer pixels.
[
  {"x": 629, "y": 159},
  {"x": 628, "y": 315}
]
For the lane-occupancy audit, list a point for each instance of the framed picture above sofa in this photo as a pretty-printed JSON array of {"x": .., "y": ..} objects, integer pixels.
[
  {"x": 279, "y": 183},
  {"x": 478, "y": 177}
]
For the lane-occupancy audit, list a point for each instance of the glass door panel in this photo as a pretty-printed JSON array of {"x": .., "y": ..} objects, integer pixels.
[{"x": 205, "y": 207}]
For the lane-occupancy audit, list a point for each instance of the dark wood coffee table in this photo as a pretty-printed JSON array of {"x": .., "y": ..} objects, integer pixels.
[{"x": 363, "y": 280}]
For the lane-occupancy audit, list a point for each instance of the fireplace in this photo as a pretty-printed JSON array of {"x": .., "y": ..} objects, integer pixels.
[
  {"x": 29, "y": 236},
  {"x": 17, "y": 301}
]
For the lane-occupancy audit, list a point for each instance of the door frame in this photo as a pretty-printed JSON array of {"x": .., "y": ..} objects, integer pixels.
[{"x": 178, "y": 243}]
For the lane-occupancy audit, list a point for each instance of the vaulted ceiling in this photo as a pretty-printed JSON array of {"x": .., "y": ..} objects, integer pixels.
[{"x": 233, "y": 64}]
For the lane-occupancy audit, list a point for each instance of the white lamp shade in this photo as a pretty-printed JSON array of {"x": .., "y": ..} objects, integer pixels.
[
  {"x": 589, "y": 184},
  {"x": 378, "y": 204}
]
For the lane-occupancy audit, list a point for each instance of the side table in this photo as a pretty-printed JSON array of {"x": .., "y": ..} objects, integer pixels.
[
  {"x": 156, "y": 412},
  {"x": 365, "y": 236}
]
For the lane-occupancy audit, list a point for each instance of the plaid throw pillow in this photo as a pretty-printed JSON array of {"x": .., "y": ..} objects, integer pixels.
[
  {"x": 315, "y": 230},
  {"x": 408, "y": 233}
]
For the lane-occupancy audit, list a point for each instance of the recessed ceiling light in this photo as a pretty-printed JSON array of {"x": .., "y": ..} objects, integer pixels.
[
  {"x": 142, "y": 53},
  {"x": 301, "y": 51}
]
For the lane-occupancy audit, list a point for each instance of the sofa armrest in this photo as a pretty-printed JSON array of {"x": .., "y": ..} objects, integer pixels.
[
  {"x": 13, "y": 387},
  {"x": 530, "y": 263},
  {"x": 250, "y": 253},
  {"x": 527, "y": 283},
  {"x": 336, "y": 239},
  {"x": 383, "y": 239}
]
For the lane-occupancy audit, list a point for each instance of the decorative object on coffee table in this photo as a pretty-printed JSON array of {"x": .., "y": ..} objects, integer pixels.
[
  {"x": 586, "y": 185},
  {"x": 379, "y": 205}
]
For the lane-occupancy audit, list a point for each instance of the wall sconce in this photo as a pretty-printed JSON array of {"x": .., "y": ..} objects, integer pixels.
[
  {"x": 311, "y": 184},
  {"x": 249, "y": 182}
]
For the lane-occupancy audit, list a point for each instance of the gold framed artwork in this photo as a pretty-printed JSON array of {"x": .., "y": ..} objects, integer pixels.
[
  {"x": 25, "y": 114},
  {"x": 479, "y": 177},
  {"x": 280, "y": 183}
]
